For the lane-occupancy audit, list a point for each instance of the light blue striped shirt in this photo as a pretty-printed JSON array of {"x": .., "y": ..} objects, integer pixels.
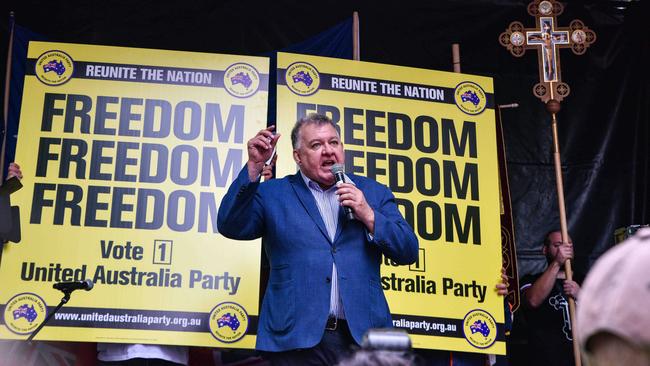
[{"x": 328, "y": 206}]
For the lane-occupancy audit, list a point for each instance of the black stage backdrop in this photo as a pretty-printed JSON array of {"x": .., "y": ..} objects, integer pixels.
[{"x": 604, "y": 132}]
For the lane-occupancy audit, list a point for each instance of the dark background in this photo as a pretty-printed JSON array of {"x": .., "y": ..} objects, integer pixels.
[{"x": 603, "y": 127}]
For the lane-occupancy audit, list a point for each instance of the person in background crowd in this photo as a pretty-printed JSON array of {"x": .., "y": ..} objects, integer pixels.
[
  {"x": 545, "y": 305},
  {"x": 14, "y": 171}
]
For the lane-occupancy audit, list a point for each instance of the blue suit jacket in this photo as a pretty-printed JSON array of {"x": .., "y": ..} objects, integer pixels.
[{"x": 296, "y": 303}]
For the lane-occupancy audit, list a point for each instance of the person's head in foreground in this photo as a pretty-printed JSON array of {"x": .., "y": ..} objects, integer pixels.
[{"x": 613, "y": 313}]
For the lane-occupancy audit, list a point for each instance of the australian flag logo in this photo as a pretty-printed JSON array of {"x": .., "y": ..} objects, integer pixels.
[
  {"x": 241, "y": 78},
  {"x": 26, "y": 312},
  {"x": 228, "y": 320},
  {"x": 480, "y": 327},
  {"x": 304, "y": 77},
  {"x": 470, "y": 96},
  {"x": 55, "y": 66}
]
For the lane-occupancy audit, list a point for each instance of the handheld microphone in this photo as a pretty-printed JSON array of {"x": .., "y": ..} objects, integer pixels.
[
  {"x": 74, "y": 285},
  {"x": 506, "y": 106},
  {"x": 337, "y": 170}
]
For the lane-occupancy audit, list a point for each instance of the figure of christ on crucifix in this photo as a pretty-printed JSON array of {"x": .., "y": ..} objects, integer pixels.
[{"x": 548, "y": 38}]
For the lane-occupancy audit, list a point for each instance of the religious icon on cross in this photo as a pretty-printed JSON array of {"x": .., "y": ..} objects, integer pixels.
[{"x": 547, "y": 39}]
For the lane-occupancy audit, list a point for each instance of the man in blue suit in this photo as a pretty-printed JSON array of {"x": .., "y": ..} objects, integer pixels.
[{"x": 324, "y": 288}]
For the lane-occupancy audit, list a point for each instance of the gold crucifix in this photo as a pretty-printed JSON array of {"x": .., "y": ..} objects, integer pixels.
[
  {"x": 551, "y": 89},
  {"x": 547, "y": 39}
]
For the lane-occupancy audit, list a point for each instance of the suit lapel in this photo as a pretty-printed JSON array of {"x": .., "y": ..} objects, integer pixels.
[
  {"x": 307, "y": 199},
  {"x": 342, "y": 222}
]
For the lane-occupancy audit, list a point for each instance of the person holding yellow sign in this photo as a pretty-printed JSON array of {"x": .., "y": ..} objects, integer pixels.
[{"x": 324, "y": 240}]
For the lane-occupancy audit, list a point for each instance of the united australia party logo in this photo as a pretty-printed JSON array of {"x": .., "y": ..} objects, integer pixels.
[
  {"x": 241, "y": 80},
  {"x": 228, "y": 322},
  {"x": 54, "y": 68},
  {"x": 24, "y": 313},
  {"x": 302, "y": 78},
  {"x": 470, "y": 98}
]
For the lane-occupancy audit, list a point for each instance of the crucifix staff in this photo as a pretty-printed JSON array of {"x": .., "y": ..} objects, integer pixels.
[{"x": 551, "y": 90}]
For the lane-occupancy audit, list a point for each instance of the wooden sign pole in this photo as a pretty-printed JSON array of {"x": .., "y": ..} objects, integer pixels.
[
  {"x": 6, "y": 99},
  {"x": 356, "y": 46}
]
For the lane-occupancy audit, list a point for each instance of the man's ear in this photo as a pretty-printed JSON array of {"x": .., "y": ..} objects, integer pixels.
[{"x": 296, "y": 156}]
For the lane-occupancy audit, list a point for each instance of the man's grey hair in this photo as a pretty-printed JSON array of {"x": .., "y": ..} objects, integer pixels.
[{"x": 312, "y": 118}]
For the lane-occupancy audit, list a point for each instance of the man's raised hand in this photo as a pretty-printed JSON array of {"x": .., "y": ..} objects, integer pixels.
[{"x": 260, "y": 149}]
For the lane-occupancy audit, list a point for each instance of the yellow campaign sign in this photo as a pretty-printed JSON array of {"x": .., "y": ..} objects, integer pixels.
[
  {"x": 126, "y": 154},
  {"x": 429, "y": 136}
]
